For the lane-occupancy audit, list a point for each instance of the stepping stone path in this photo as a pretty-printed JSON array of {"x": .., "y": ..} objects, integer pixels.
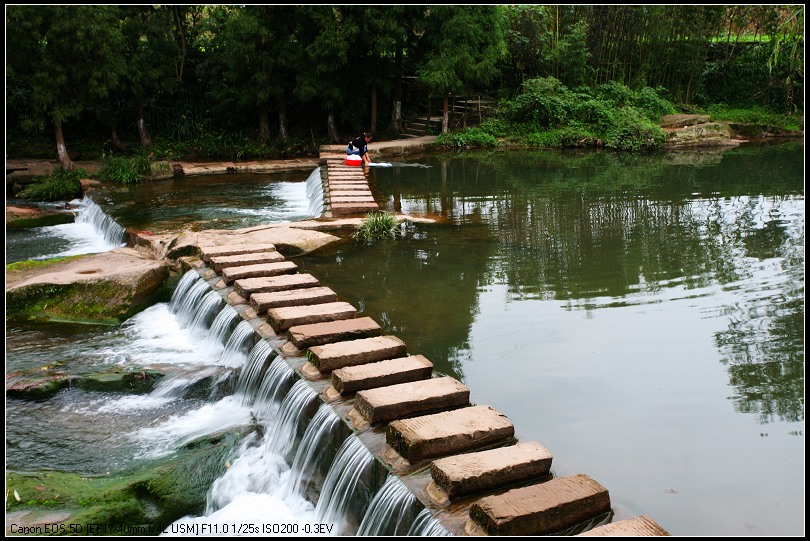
[
  {"x": 425, "y": 421},
  {"x": 346, "y": 190}
]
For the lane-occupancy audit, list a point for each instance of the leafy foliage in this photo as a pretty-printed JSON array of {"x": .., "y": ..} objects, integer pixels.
[
  {"x": 60, "y": 186},
  {"x": 377, "y": 226},
  {"x": 474, "y": 137}
]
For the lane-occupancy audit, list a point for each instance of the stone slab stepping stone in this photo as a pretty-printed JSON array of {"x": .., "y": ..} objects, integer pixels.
[
  {"x": 448, "y": 433},
  {"x": 543, "y": 508},
  {"x": 350, "y": 193},
  {"x": 262, "y": 302},
  {"x": 348, "y": 186},
  {"x": 316, "y": 334},
  {"x": 250, "y": 286},
  {"x": 381, "y": 373},
  {"x": 230, "y": 274},
  {"x": 234, "y": 249},
  {"x": 352, "y": 199},
  {"x": 344, "y": 209},
  {"x": 410, "y": 399},
  {"x": 285, "y": 317},
  {"x": 224, "y": 261},
  {"x": 631, "y": 527},
  {"x": 465, "y": 474},
  {"x": 330, "y": 357}
]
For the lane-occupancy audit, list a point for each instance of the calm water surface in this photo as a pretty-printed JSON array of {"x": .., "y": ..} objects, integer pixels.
[{"x": 640, "y": 316}]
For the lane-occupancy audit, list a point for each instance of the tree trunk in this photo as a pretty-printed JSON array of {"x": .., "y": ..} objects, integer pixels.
[
  {"x": 396, "y": 110},
  {"x": 445, "y": 114},
  {"x": 396, "y": 117},
  {"x": 264, "y": 124},
  {"x": 282, "y": 116},
  {"x": 61, "y": 150},
  {"x": 117, "y": 142},
  {"x": 373, "y": 124},
  {"x": 146, "y": 139},
  {"x": 330, "y": 127}
]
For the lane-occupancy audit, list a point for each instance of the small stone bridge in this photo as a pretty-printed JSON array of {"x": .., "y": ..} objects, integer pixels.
[{"x": 481, "y": 480}]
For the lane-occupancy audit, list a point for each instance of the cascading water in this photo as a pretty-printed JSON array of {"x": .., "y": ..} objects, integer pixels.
[
  {"x": 347, "y": 489},
  {"x": 299, "y": 463},
  {"x": 392, "y": 510},
  {"x": 90, "y": 232},
  {"x": 316, "y": 447},
  {"x": 315, "y": 192},
  {"x": 425, "y": 524},
  {"x": 113, "y": 233}
]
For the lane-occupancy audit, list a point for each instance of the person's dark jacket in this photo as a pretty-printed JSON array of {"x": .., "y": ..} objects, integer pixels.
[{"x": 359, "y": 143}]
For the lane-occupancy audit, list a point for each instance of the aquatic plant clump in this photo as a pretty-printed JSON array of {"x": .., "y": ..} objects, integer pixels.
[{"x": 377, "y": 226}]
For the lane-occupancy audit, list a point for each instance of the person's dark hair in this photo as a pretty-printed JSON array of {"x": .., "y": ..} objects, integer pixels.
[{"x": 368, "y": 134}]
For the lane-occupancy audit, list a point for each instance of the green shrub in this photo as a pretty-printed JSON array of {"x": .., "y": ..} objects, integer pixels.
[
  {"x": 377, "y": 226},
  {"x": 545, "y": 102},
  {"x": 123, "y": 169},
  {"x": 60, "y": 186},
  {"x": 633, "y": 131},
  {"x": 470, "y": 138},
  {"x": 650, "y": 102}
]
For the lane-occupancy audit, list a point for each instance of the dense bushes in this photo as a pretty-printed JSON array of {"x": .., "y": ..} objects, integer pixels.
[
  {"x": 60, "y": 186},
  {"x": 549, "y": 114}
]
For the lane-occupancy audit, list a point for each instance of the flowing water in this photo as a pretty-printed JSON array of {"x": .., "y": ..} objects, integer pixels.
[{"x": 640, "y": 316}]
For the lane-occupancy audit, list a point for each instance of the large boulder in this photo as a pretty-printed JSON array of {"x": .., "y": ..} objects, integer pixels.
[{"x": 102, "y": 288}]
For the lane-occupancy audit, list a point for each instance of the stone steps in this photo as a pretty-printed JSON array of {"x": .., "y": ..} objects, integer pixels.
[
  {"x": 541, "y": 509},
  {"x": 450, "y": 432},
  {"x": 631, "y": 527},
  {"x": 233, "y": 249},
  {"x": 231, "y": 274},
  {"x": 316, "y": 334},
  {"x": 470, "y": 450},
  {"x": 410, "y": 399},
  {"x": 461, "y": 475},
  {"x": 351, "y": 379},
  {"x": 262, "y": 302},
  {"x": 254, "y": 258},
  {"x": 329, "y": 357},
  {"x": 247, "y": 287},
  {"x": 283, "y": 318}
]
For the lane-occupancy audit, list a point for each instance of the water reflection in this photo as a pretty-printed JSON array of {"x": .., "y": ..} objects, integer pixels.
[
  {"x": 642, "y": 316},
  {"x": 605, "y": 230}
]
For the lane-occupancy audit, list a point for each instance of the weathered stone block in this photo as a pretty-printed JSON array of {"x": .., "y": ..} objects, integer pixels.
[
  {"x": 351, "y": 379},
  {"x": 411, "y": 399},
  {"x": 542, "y": 509}
]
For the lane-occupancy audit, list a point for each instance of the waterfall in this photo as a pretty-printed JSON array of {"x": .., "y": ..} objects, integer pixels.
[
  {"x": 346, "y": 489},
  {"x": 254, "y": 369},
  {"x": 113, "y": 233},
  {"x": 238, "y": 345},
  {"x": 303, "y": 464},
  {"x": 222, "y": 326},
  {"x": 391, "y": 512},
  {"x": 205, "y": 310},
  {"x": 315, "y": 193},
  {"x": 314, "y": 450},
  {"x": 180, "y": 292},
  {"x": 281, "y": 434},
  {"x": 425, "y": 524},
  {"x": 278, "y": 378}
]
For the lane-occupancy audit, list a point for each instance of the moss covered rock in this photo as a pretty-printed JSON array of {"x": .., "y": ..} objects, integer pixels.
[
  {"x": 137, "y": 502},
  {"x": 100, "y": 288}
]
